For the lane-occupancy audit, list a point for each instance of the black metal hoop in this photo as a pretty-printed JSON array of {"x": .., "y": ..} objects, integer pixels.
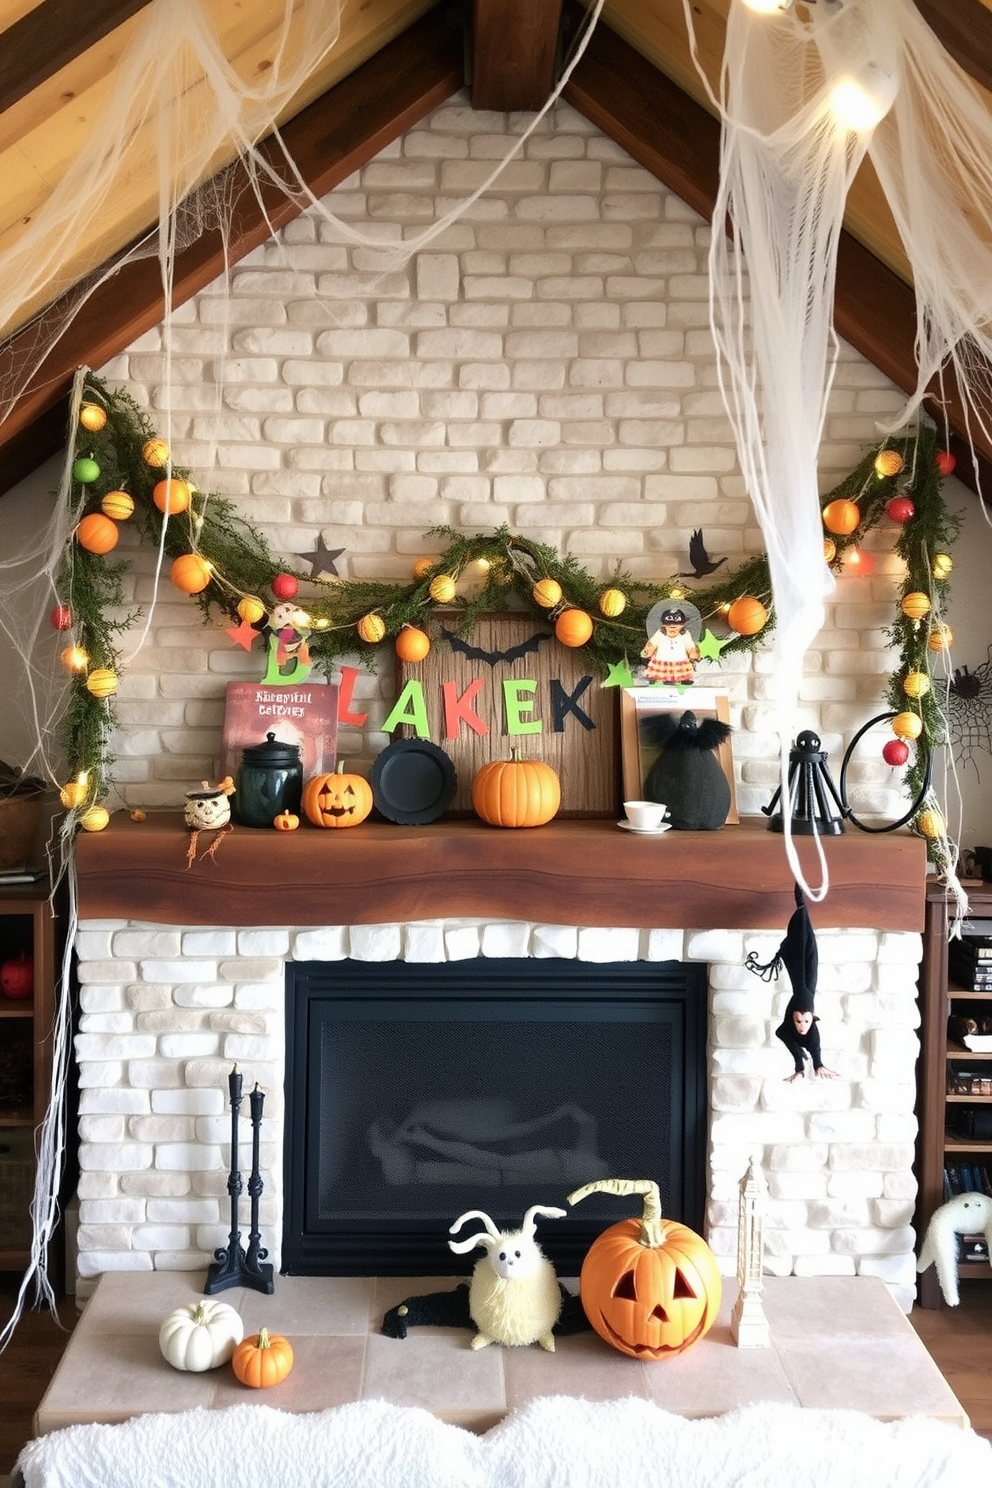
[{"x": 927, "y": 776}]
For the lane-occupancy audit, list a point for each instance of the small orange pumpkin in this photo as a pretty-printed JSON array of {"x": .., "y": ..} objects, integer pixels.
[
  {"x": 337, "y": 800},
  {"x": 262, "y": 1360},
  {"x": 516, "y": 793},
  {"x": 650, "y": 1287},
  {"x": 286, "y": 821}
]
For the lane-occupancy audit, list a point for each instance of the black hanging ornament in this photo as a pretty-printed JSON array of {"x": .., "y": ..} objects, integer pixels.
[
  {"x": 799, "y": 954},
  {"x": 687, "y": 776}
]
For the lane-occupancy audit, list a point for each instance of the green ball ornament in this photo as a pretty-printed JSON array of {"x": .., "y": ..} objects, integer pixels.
[{"x": 85, "y": 470}]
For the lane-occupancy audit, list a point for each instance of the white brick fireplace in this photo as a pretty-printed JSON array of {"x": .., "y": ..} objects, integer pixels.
[{"x": 166, "y": 1012}]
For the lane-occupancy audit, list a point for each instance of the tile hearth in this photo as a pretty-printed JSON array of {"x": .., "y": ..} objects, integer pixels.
[{"x": 836, "y": 1342}]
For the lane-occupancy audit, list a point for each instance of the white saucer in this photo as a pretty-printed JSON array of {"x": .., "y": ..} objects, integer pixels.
[{"x": 645, "y": 831}]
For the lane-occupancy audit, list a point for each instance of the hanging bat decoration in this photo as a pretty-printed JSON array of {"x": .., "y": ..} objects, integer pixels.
[
  {"x": 799, "y": 954},
  {"x": 479, "y": 653}
]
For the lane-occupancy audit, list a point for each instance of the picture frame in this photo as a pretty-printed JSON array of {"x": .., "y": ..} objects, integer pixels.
[{"x": 637, "y": 756}]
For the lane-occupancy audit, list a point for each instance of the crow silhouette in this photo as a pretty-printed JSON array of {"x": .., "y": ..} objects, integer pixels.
[{"x": 701, "y": 562}]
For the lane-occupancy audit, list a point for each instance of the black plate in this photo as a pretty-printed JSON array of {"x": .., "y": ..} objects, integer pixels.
[{"x": 413, "y": 781}]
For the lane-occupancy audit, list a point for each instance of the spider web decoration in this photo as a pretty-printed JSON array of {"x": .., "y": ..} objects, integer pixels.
[{"x": 969, "y": 712}]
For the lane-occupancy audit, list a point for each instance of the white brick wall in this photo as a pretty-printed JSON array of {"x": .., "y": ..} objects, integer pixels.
[
  {"x": 154, "y": 1129},
  {"x": 545, "y": 363}
]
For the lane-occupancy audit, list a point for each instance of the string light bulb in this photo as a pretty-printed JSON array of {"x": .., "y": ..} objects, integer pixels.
[{"x": 860, "y": 100}]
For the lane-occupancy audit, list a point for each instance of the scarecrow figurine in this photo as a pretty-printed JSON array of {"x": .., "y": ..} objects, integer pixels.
[{"x": 798, "y": 954}]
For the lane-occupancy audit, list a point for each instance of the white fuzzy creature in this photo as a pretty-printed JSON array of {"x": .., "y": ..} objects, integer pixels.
[
  {"x": 967, "y": 1214},
  {"x": 514, "y": 1296}
]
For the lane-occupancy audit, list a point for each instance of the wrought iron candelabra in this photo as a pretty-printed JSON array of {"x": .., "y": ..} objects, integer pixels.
[{"x": 232, "y": 1265}]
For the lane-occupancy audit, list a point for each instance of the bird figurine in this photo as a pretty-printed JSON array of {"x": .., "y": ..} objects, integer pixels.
[{"x": 702, "y": 563}]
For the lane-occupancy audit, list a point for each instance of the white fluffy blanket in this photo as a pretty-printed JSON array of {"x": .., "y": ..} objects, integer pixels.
[{"x": 555, "y": 1442}]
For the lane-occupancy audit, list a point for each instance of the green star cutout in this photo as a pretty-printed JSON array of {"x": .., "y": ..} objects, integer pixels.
[
  {"x": 710, "y": 647},
  {"x": 619, "y": 675}
]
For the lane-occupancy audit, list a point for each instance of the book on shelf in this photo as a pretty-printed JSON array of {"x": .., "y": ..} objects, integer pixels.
[
  {"x": 972, "y": 948},
  {"x": 21, "y": 875},
  {"x": 304, "y": 714},
  {"x": 972, "y": 1248}
]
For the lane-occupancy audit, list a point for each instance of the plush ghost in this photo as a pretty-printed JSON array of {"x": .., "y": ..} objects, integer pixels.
[{"x": 967, "y": 1214}]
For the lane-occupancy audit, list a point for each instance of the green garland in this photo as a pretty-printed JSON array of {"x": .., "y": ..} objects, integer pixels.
[{"x": 504, "y": 568}]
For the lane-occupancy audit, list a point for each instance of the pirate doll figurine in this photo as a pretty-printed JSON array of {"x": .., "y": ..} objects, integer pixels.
[
  {"x": 671, "y": 650},
  {"x": 798, "y": 954}
]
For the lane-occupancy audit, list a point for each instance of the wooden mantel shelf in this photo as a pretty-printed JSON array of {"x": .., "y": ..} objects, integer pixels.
[{"x": 567, "y": 873}]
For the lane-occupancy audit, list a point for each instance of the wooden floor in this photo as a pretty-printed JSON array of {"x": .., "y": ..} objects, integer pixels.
[{"x": 960, "y": 1341}]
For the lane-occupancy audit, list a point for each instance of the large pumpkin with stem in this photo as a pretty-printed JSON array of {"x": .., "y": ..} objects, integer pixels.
[
  {"x": 264, "y": 1359},
  {"x": 650, "y": 1286},
  {"x": 339, "y": 799},
  {"x": 516, "y": 792}
]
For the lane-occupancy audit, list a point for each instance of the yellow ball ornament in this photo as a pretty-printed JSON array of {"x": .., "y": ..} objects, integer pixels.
[
  {"x": 371, "y": 628},
  {"x": 92, "y": 417},
  {"x": 916, "y": 684},
  {"x": 888, "y": 462},
  {"x": 940, "y": 638},
  {"x": 118, "y": 505},
  {"x": 941, "y": 565},
  {"x": 155, "y": 452},
  {"x": 250, "y": 609},
  {"x": 74, "y": 792},
  {"x": 95, "y": 819},
  {"x": 612, "y": 602},
  {"x": 442, "y": 589},
  {"x": 102, "y": 682},
  {"x": 829, "y": 549},
  {"x": 931, "y": 823},
  {"x": 915, "y": 605},
  {"x": 547, "y": 593},
  {"x": 907, "y": 725}
]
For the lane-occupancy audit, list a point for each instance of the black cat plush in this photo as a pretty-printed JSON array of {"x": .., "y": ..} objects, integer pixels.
[{"x": 687, "y": 775}]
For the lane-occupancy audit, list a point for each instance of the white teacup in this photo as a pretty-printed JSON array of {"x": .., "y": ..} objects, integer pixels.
[{"x": 645, "y": 815}]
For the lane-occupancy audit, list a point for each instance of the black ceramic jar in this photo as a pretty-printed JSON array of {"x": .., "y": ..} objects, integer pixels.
[{"x": 269, "y": 780}]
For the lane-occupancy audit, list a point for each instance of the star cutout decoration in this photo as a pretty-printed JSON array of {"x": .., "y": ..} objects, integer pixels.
[
  {"x": 619, "y": 675},
  {"x": 243, "y": 634},
  {"x": 710, "y": 646},
  {"x": 321, "y": 560}
]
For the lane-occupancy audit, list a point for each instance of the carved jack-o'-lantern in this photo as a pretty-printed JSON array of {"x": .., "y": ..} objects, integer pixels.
[
  {"x": 650, "y": 1287},
  {"x": 340, "y": 799}
]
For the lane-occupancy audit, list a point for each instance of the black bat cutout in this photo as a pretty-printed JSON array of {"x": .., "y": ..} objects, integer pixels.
[{"x": 478, "y": 653}]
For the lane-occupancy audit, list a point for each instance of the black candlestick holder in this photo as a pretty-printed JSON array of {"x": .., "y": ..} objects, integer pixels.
[
  {"x": 815, "y": 807},
  {"x": 232, "y": 1265}
]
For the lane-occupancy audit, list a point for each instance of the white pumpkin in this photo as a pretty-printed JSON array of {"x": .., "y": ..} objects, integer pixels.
[{"x": 201, "y": 1335}]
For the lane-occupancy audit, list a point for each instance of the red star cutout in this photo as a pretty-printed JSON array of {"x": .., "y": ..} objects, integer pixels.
[{"x": 243, "y": 634}]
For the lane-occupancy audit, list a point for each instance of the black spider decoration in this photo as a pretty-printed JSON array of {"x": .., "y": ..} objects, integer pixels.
[{"x": 969, "y": 711}]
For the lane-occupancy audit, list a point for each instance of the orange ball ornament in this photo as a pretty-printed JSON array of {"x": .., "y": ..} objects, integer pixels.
[
  {"x": 841, "y": 517},
  {"x": 75, "y": 792},
  {"x": 546, "y": 593},
  {"x": 573, "y": 627},
  {"x": 97, "y": 533},
  {"x": 412, "y": 644},
  {"x": 747, "y": 615},
  {"x": 118, "y": 505},
  {"x": 172, "y": 496},
  {"x": 422, "y": 567},
  {"x": 940, "y": 638},
  {"x": 371, "y": 628},
  {"x": 191, "y": 573},
  {"x": 156, "y": 453},
  {"x": 907, "y": 725},
  {"x": 915, "y": 605}
]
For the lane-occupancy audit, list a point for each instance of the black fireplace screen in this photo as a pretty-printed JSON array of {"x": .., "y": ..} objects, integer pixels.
[{"x": 415, "y": 1092}]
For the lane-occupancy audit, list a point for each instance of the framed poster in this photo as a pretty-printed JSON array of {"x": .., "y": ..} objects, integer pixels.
[
  {"x": 638, "y": 754},
  {"x": 512, "y": 685},
  {"x": 300, "y": 713}
]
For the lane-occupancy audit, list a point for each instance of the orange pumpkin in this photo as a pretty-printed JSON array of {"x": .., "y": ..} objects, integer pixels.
[
  {"x": 573, "y": 627},
  {"x": 337, "y": 800},
  {"x": 412, "y": 644},
  {"x": 262, "y": 1360},
  {"x": 516, "y": 793},
  {"x": 650, "y": 1287},
  {"x": 286, "y": 821}
]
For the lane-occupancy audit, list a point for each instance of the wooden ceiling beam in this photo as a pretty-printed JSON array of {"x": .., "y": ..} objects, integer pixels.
[
  {"x": 51, "y": 35},
  {"x": 514, "y": 49},
  {"x": 328, "y": 141}
]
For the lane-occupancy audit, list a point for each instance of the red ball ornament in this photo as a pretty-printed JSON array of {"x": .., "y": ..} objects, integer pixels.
[
  {"x": 17, "y": 976},
  {"x": 60, "y": 617},
  {"x": 900, "y": 509},
  {"x": 944, "y": 461},
  {"x": 895, "y": 752},
  {"x": 285, "y": 586}
]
